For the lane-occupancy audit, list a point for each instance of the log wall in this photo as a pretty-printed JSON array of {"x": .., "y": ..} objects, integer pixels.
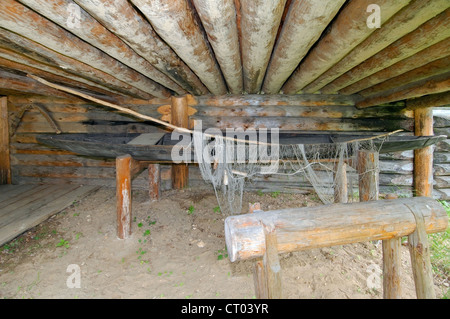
[{"x": 35, "y": 163}]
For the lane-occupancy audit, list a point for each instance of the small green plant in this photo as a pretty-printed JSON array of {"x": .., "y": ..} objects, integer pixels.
[
  {"x": 63, "y": 243},
  {"x": 275, "y": 194},
  {"x": 217, "y": 209},
  {"x": 221, "y": 254},
  {"x": 147, "y": 232},
  {"x": 191, "y": 210},
  {"x": 259, "y": 193}
]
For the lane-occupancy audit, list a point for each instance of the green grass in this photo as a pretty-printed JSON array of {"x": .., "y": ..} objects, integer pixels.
[{"x": 440, "y": 251}]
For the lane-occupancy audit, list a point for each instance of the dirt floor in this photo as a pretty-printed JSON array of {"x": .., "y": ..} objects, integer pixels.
[{"x": 177, "y": 250}]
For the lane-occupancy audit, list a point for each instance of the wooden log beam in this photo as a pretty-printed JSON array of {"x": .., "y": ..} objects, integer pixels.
[
  {"x": 175, "y": 23},
  {"x": 18, "y": 18},
  {"x": 219, "y": 20},
  {"x": 180, "y": 118},
  {"x": 347, "y": 31},
  {"x": 93, "y": 91},
  {"x": 433, "y": 85},
  {"x": 121, "y": 18},
  {"x": 405, "y": 21},
  {"x": 423, "y": 158},
  {"x": 34, "y": 50},
  {"x": 5, "y": 162},
  {"x": 428, "y": 55},
  {"x": 323, "y": 226},
  {"x": 429, "y": 70},
  {"x": 260, "y": 21},
  {"x": 90, "y": 30},
  {"x": 17, "y": 84},
  {"x": 304, "y": 23},
  {"x": 434, "y": 100},
  {"x": 431, "y": 32}
]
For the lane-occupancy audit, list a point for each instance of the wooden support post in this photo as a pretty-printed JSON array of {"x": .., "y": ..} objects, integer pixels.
[
  {"x": 5, "y": 164},
  {"x": 267, "y": 270},
  {"x": 154, "y": 180},
  {"x": 368, "y": 191},
  {"x": 391, "y": 268},
  {"x": 420, "y": 258},
  {"x": 340, "y": 184},
  {"x": 180, "y": 118},
  {"x": 123, "y": 195},
  {"x": 423, "y": 158},
  {"x": 368, "y": 175}
]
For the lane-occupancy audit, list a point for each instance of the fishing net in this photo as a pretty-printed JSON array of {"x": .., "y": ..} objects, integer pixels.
[{"x": 229, "y": 162}]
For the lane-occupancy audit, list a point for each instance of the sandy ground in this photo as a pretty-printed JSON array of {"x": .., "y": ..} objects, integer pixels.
[{"x": 175, "y": 252}]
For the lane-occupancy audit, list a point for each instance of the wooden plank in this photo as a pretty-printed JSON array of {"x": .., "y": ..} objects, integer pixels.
[
  {"x": 219, "y": 20},
  {"x": 17, "y": 17},
  {"x": 20, "y": 199},
  {"x": 97, "y": 35},
  {"x": 405, "y": 21},
  {"x": 121, "y": 18},
  {"x": 123, "y": 196},
  {"x": 392, "y": 263},
  {"x": 423, "y": 158},
  {"x": 147, "y": 139},
  {"x": 10, "y": 191},
  {"x": 436, "y": 30},
  {"x": 259, "y": 25},
  {"x": 305, "y": 22},
  {"x": 32, "y": 218},
  {"x": 323, "y": 226},
  {"x": 430, "y": 54},
  {"x": 175, "y": 23},
  {"x": 271, "y": 263},
  {"x": 5, "y": 164},
  {"x": 348, "y": 30},
  {"x": 368, "y": 171}
]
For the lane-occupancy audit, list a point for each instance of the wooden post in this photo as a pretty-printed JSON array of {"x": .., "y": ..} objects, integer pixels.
[
  {"x": 5, "y": 164},
  {"x": 180, "y": 118},
  {"x": 340, "y": 184},
  {"x": 267, "y": 270},
  {"x": 420, "y": 258},
  {"x": 368, "y": 175},
  {"x": 154, "y": 180},
  {"x": 423, "y": 158},
  {"x": 368, "y": 191},
  {"x": 123, "y": 195}
]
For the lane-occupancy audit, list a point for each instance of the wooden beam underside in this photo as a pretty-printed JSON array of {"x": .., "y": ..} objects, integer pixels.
[{"x": 156, "y": 49}]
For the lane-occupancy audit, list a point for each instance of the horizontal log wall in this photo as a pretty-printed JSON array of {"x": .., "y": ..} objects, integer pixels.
[
  {"x": 441, "y": 158},
  {"x": 36, "y": 163}
]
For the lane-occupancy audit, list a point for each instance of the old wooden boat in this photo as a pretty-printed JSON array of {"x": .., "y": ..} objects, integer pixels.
[{"x": 158, "y": 147}]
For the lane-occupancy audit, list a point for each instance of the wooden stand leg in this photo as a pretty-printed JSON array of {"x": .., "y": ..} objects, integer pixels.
[
  {"x": 123, "y": 195},
  {"x": 154, "y": 180},
  {"x": 267, "y": 270},
  {"x": 391, "y": 268},
  {"x": 180, "y": 118},
  {"x": 368, "y": 175},
  {"x": 420, "y": 259},
  {"x": 340, "y": 184}
]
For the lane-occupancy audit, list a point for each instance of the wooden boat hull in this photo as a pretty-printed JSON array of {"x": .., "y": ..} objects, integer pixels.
[{"x": 114, "y": 145}]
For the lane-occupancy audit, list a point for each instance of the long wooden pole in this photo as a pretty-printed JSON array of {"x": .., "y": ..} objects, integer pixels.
[
  {"x": 423, "y": 158},
  {"x": 5, "y": 164},
  {"x": 123, "y": 195},
  {"x": 180, "y": 118}
]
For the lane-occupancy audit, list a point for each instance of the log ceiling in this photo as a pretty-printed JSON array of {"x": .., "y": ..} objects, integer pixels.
[{"x": 143, "y": 49}]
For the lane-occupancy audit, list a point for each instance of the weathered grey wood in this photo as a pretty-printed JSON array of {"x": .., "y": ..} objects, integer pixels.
[
  {"x": 271, "y": 263},
  {"x": 341, "y": 184},
  {"x": 30, "y": 216},
  {"x": 9, "y": 191},
  {"x": 329, "y": 225},
  {"x": 441, "y": 158},
  {"x": 419, "y": 250},
  {"x": 259, "y": 279},
  {"x": 154, "y": 181},
  {"x": 392, "y": 263},
  {"x": 368, "y": 171}
]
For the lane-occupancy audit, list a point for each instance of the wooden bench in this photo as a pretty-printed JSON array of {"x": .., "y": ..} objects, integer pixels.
[{"x": 263, "y": 235}]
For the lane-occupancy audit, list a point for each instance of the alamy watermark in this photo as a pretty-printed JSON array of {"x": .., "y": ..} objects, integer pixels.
[{"x": 374, "y": 20}]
